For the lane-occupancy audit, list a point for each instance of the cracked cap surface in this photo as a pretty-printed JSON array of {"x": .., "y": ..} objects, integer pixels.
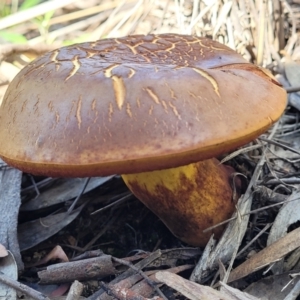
[{"x": 134, "y": 104}]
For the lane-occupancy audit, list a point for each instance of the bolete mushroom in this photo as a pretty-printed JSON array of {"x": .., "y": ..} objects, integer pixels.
[{"x": 156, "y": 109}]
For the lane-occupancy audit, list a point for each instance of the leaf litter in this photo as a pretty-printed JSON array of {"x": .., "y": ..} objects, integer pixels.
[{"x": 264, "y": 32}]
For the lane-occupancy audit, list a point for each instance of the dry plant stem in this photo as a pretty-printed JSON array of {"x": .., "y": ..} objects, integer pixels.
[
  {"x": 79, "y": 195},
  {"x": 103, "y": 28},
  {"x": 261, "y": 32},
  {"x": 279, "y": 144},
  {"x": 285, "y": 181},
  {"x": 240, "y": 151},
  {"x": 102, "y": 9},
  {"x": 36, "y": 185},
  {"x": 121, "y": 200},
  {"x": 165, "y": 9},
  {"x": 252, "y": 212},
  {"x": 138, "y": 18},
  {"x": 123, "y": 21},
  {"x": 254, "y": 239},
  {"x": 88, "y": 254},
  {"x": 37, "y": 191},
  {"x": 51, "y": 36},
  {"x": 22, "y": 288},
  {"x": 83, "y": 13},
  {"x": 272, "y": 205}
]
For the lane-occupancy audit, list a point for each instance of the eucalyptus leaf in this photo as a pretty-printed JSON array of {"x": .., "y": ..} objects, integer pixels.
[{"x": 63, "y": 190}]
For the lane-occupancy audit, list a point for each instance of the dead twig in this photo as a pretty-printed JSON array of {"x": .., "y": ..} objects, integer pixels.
[{"x": 149, "y": 281}]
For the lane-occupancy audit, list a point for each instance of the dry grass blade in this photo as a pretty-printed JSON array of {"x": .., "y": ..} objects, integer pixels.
[
  {"x": 84, "y": 12},
  {"x": 35, "y": 11},
  {"x": 250, "y": 27},
  {"x": 261, "y": 31}
]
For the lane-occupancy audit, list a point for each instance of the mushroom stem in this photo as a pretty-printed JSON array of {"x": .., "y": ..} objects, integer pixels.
[{"x": 187, "y": 199}]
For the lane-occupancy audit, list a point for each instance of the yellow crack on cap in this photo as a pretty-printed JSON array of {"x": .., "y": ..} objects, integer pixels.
[
  {"x": 119, "y": 89},
  {"x": 210, "y": 79}
]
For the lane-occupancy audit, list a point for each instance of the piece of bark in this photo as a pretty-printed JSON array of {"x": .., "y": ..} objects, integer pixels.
[
  {"x": 125, "y": 294},
  {"x": 91, "y": 268},
  {"x": 75, "y": 291},
  {"x": 10, "y": 201}
]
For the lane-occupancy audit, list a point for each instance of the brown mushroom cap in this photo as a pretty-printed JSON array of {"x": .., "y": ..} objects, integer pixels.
[{"x": 134, "y": 104}]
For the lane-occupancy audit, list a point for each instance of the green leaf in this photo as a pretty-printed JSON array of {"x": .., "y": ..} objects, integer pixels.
[
  {"x": 28, "y": 4},
  {"x": 11, "y": 37}
]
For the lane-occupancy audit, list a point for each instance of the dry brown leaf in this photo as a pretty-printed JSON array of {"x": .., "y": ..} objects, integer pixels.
[
  {"x": 268, "y": 255},
  {"x": 56, "y": 253}
]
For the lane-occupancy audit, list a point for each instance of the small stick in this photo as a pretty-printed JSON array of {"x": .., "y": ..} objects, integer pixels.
[
  {"x": 148, "y": 280},
  {"x": 123, "y": 294},
  {"x": 292, "y": 89}
]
